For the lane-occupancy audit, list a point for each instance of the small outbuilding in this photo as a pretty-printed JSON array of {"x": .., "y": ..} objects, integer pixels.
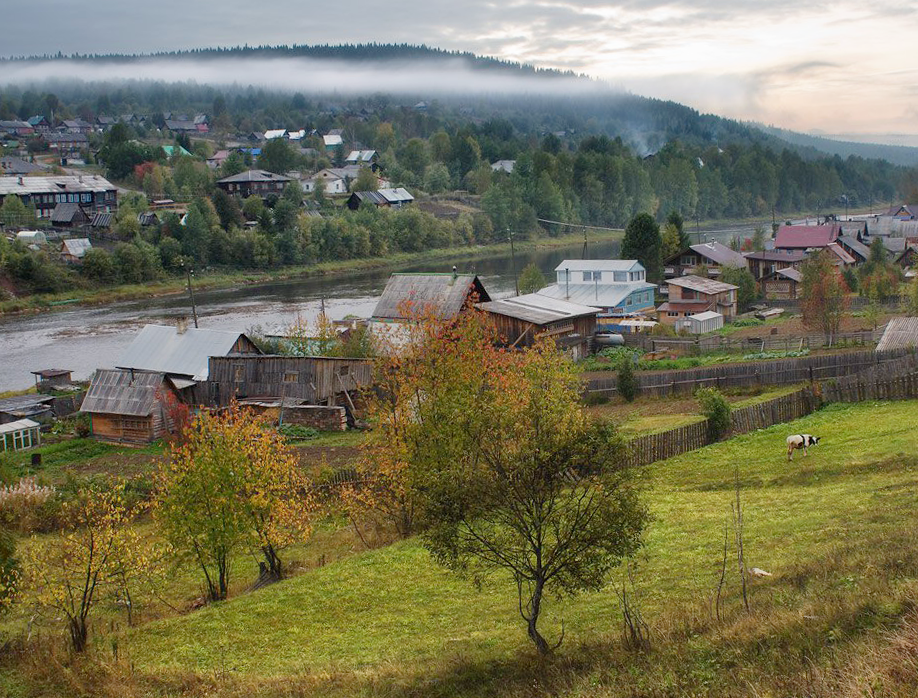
[
  {"x": 49, "y": 379},
  {"x": 74, "y": 249},
  {"x": 20, "y": 435},
  {"x": 132, "y": 407},
  {"x": 703, "y": 322}
]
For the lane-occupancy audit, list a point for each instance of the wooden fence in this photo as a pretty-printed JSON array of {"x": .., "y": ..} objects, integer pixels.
[
  {"x": 891, "y": 381},
  {"x": 756, "y": 373},
  {"x": 765, "y": 342}
]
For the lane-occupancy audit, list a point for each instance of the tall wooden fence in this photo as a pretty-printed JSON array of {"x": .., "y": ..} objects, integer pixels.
[
  {"x": 891, "y": 381},
  {"x": 765, "y": 342},
  {"x": 755, "y": 373}
]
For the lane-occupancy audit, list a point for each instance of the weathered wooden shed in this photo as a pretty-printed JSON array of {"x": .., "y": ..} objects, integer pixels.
[
  {"x": 35, "y": 407},
  {"x": 47, "y": 379},
  {"x": 445, "y": 295},
  {"x": 521, "y": 319},
  {"x": 314, "y": 379},
  {"x": 128, "y": 406}
]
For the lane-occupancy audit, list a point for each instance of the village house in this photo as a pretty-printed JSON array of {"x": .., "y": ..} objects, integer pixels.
[
  {"x": 712, "y": 255},
  {"x": 519, "y": 320},
  {"x": 336, "y": 180},
  {"x": 128, "y": 406},
  {"x": 761, "y": 264},
  {"x": 15, "y": 127},
  {"x": 381, "y": 198},
  {"x": 182, "y": 354},
  {"x": 855, "y": 247},
  {"x": 216, "y": 161},
  {"x": 409, "y": 296},
  {"x": 91, "y": 192},
  {"x": 332, "y": 142},
  {"x": 254, "y": 183},
  {"x": 68, "y": 215},
  {"x": 503, "y": 166},
  {"x": 76, "y": 126},
  {"x": 690, "y": 295},
  {"x": 74, "y": 249},
  {"x": 13, "y": 166},
  {"x": 66, "y": 143},
  {"x": 39, "y": 123},
  {"x": 782, "y": 284},
  {"x": 365, "y": 158},
  {"x": 618, "y": 287},
  {"x": 806, "y": 237}
]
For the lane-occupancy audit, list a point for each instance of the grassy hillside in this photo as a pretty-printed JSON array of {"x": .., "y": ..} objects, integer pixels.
[{"x": 834, "y": 530}]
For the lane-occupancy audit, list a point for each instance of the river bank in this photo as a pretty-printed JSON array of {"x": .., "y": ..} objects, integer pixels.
[{"x": 216, "y": 280}]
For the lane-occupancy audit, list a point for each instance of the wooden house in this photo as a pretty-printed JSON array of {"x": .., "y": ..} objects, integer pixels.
[
  {"x": 68, "y": 215},
  {"x": 254, "y": 183},
  {"x": 690, "y": 295},
  {"x": 712, "y": 255},
  {"x": 133, "y": 407},
  {"x": 519, "y": 320},
  {"x": 313, "y": 379},
  {"x": 74, "y": 249},
  {"x": 444, "y": 295},
  {"x": 782, "y": 284},
  {"x": 761, "y": 264},
  {"x": 88, "y": 192},
  {"x": 381, "y": 198},
  {"x": 908, "y": 259}
]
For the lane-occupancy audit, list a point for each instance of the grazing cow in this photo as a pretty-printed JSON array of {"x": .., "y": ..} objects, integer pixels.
[{"x": 800, "y": 441}]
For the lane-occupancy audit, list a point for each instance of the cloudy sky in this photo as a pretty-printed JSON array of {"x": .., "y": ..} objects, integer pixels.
[{"x": 845, "y": 67}]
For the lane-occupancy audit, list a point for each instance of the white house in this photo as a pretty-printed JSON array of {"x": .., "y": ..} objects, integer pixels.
[{"x": 618, "y": 287}]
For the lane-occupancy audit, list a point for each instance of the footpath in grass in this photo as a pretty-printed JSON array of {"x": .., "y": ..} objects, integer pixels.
[{"x": 829, "y": 528}]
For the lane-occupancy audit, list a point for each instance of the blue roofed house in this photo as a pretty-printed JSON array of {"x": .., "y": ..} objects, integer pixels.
[{"x": 618, "y": 287}]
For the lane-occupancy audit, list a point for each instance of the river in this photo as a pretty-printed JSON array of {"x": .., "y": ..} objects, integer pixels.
[{"x": 86, "y": 338}]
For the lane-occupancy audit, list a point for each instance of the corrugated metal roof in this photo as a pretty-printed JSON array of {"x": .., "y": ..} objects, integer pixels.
[
  {"x": 101, "y": 220},
  {"x": 20, "y": 403},
  {"x": 602, "y": 295},
  {"x": 54, "y": 185},
  {"x": 254, "y": 176},
  {"x": 537, "y": 309},
  {"x": 600, "y": 265},
  {"x": 66, "y": 213},
  {"x": 273, "y": 133},
  {"x": 162, "y": 348},
  {"x": 720, "y": 254},
  {"x": 444, "y": 294},
  {"x": 791, "y": 273},
  {"x": 701, "y": 284},
  {"x": 856, "y": 245},
  {"x": 841, "y": 253},
  {"x": 706, "y": 315},
  {"x": 129, "y": 393},
  {"x": 900, "y": 333}
]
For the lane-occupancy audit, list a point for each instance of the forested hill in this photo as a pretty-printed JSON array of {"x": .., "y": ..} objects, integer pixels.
[{"x": 896, "y": 154}]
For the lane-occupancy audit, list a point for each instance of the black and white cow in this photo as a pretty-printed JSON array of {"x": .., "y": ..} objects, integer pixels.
[{"x": 800, "y": 441}]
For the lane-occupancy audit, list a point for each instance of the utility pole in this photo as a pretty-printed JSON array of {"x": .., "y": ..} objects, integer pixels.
[
  {"x": 194, "y": 310},
  {"x": 516, "y": 283},
  {"x": 584, "y": 243}
]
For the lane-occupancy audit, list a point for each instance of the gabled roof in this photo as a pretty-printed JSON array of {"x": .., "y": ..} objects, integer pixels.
[
  {"x": 360, "y": 156},
  {"x": 165, "y": 349},
  {"x": 719, "y": 254},
  {"x": 804, "y": 236},
  {"x": 124, "y": 392},
  {"x": 855, "y": 246},
  {"x": 385, "y": 196},
  {"x": 67, "y": 213},
  {"x": 253, "y": 176},
  {"x": 333, "y": 140},
  {"x": 76, "y": 247},
  {"x": 443, "y": 294},
  {"x": 273, "y": 133},
  {"x": 503, "y": 166},
  {"x": 170, "y": 151},
  {"x": 777, "y": 255},
  {"x": 790, "y": 273},
  {"x": 56, "y": 184},
  {"x": 900, "y": 333},
  {"x": 10, "y": 165},
  {"x": 841, "y": 253},
  {"x": 600, "y": 265},
  {"x": 701, "y": 284},
  {"x": 599, "y": 294},
  {"x": 537, "y": 308},
  {"x": 26, "y": 405}
]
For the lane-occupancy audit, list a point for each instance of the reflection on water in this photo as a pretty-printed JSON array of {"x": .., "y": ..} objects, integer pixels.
[{"x": 84, "y": 339}]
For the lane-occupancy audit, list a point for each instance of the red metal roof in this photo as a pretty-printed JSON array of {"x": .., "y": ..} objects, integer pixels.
[{"x": 803, "y": 236}]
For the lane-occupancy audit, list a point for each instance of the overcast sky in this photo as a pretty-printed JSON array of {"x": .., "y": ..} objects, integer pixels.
[{"x": 841, "y": 67}]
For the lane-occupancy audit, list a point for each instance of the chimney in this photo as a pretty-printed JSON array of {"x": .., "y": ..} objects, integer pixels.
[{"x": 181, "y": 324}]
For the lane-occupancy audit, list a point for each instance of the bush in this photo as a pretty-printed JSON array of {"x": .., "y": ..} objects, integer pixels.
[
  {"x": 716, "y": 409},
  {"x": 27, "y": 506},
  {"x": 296, "y": 432},
  {"x": 627, "y": 383}
]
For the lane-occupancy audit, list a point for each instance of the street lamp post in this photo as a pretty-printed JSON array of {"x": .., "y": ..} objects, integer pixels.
[{"x": 516, "y": 283}]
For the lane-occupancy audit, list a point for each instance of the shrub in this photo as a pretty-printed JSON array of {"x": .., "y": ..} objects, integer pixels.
[
  {"x": 716, "y": 409},
  {"x": 25, "y": 506},
  {"x": 627, "y": 383},
  {"x": 296, "y": 432}
]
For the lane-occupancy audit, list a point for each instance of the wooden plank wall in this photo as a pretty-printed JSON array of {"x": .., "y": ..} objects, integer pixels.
[{"x": 756, "y": 374}]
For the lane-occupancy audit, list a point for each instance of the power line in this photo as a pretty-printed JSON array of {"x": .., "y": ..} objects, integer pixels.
[{"x": 576, "y": 225}]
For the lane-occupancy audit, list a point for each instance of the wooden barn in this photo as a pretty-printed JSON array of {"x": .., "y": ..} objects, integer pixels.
[
  {"x": 521, "y": 319},
  {"x": 131, "y": 407},
  {"x": 316, "y": 380},
  {"x": 783, "y": 284}
]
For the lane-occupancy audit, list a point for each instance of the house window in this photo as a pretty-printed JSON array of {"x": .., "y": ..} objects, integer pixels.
[
  {"x": 344, "y": 370},
  {"x": 291, "y": 376},
  {"x": 672, "y": 313},
  {"x": 619, "y": 276},
  {"x": 239, "y": 373}
]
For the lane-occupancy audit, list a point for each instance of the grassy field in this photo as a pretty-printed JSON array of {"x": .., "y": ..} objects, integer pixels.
[{"x": 836, "y": 618}]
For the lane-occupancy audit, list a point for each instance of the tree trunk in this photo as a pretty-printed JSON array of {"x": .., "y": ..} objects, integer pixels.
[
  {"x": 535, "y": 605},
  {"x": 275, "y": 566},
  {"x": 78, "y": 634}
]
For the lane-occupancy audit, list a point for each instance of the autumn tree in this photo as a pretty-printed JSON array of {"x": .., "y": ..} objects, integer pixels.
[
  {"x": 232, "y": 485},
  {"x": 95, "y": 553},
  {"x": 824, "y": 296},
  {"x": 501, "y": 469},
  {"x": 743, "y": 279}
]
